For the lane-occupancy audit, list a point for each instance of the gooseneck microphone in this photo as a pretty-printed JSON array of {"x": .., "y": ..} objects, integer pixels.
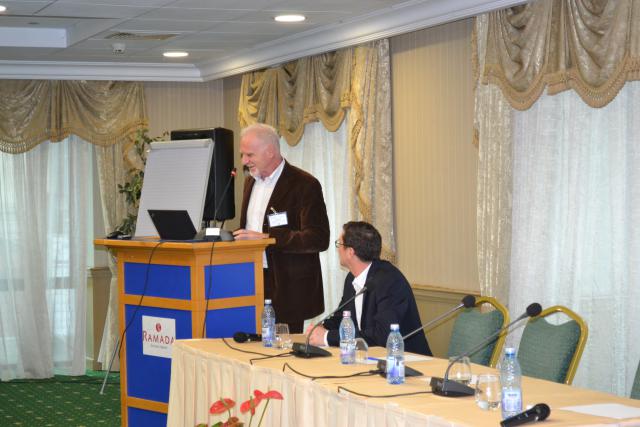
[
  {"x": 538, "y": 412},
  {"x": 449, "y": 388},
  {"x": 246, "y": 337},
  {"x": 306, "y": 350},
  {"x": 467, "y": 302}
]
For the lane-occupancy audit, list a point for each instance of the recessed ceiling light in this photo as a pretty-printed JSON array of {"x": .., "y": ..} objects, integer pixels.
[
  {"x": 3, "y": 8},
  {"x": 290, "y": 18},
  {"x": 175, "y": 54}
]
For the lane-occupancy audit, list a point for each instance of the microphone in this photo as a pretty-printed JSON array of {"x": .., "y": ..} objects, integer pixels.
[
  {"x": 308, "y": 351},
  {"x": 538, "y": 412},
  {"x": 450, "y": 388},
  {"x": 246, "y": 337},
  {"x": 467, "y": 302},
  {"x": 216, "y": 234}
]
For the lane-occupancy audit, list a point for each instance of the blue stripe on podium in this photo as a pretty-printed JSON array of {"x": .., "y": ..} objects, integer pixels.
[
  {"x": 164, "y": 281},
  {"x": 230, "y": 280}
]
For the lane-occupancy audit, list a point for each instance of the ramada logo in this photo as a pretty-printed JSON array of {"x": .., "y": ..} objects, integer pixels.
[{"x": 157, "y": 338}]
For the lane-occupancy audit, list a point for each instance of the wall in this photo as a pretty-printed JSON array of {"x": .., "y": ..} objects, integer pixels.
[
  {"x": 176, "y": 105},
  {"x": 434, "y": 159}
]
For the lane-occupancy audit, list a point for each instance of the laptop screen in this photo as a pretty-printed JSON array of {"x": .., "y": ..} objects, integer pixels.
[{"x": 173, "y": 224}]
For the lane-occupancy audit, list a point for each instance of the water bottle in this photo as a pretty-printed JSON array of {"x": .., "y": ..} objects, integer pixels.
[
  {"x": 347, "y": 339},
  {"x": 510, "y": 382},
  {"x": 395, "y": 356},
  {"x": 268, "y": 324}
]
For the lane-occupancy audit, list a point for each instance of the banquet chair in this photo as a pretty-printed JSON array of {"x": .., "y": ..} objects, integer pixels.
[
  {"x": 472, "y": 326},
  {"x": 552, "y": 352},
  {"x": 635, "y": 388}
]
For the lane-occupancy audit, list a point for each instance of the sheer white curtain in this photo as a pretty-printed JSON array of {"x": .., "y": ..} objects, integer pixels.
[
  {"x": 576, "y": 224},
  {"x": 325, "y": 155},
  {"x": 45, "y": 197}
]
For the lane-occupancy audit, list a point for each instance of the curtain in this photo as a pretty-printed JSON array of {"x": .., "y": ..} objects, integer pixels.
[
  {"x": 322, "y": 88},
  {"x": 493, "y": 132},
  {"x": 101, "y": 112},
  {"x": 590, "y": 46},
  {"x": 45, "y": 222},
  {"x": 576, "y": 238},
  {"x": 325, "y": 155}
]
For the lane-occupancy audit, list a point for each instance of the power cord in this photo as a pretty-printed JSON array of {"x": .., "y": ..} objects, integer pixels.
[
  {"x": 340, "y": 388},
  {"x": 324, "y": 377}
]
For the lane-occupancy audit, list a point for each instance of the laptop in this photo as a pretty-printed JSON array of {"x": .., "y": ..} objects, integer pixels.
[{"x": 173, "y": 224}]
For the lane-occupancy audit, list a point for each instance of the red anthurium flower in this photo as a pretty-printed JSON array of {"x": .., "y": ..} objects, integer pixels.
[
  {"x": 273, "y": 394},
  {"x": 249, "y": 405},
  {"x": 259, "y": 396},
  {"x": 221, "y": 406}
]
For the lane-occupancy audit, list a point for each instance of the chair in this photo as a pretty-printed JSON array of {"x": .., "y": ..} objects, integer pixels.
[
  {"x": 552, "y": 352},
  {"x": 635, "y": 388},
  {"x": 472, "y": 326}
]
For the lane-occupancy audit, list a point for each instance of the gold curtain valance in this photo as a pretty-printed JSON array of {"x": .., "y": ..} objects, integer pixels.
[
  {"x": 591, "y": 46},
  {"x": 301, "y": 91},
  {"x": 100, "y": 112}
]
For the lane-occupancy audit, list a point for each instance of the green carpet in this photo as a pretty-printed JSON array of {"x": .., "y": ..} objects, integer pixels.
[{"x": 61, "y": 401}]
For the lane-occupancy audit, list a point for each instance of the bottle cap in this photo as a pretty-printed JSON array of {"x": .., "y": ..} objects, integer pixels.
[
  {"x": 346, "y": 313},
  {"x": 267, "y": 301},
  {"x": 395, "y": 327},
  {"x": 510, "y": 351}
]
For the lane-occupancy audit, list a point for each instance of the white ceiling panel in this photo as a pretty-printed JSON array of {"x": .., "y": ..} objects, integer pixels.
[{"x": 222, "y": 37}]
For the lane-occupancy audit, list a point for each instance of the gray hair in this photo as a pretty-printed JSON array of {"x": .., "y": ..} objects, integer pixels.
[{"x": 264, "y": 133}]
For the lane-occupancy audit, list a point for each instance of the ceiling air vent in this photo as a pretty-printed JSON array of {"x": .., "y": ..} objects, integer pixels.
[{"x": 139, "y": 36}]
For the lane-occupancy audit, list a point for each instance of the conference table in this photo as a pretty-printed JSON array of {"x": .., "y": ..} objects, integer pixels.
[{"x": 205, "y": 370}]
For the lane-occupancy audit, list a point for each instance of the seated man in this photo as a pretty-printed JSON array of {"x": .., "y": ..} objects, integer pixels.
[{"x": 388, "y": 299}]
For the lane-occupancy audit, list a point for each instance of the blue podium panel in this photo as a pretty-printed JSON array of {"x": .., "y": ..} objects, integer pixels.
[
  {"x": 223, "y": 323},
  {"x": 157, "y": 280},
  {"x": 229, "y": 280},
  {"x": 148, "y": 376},
  {"x": 142, "y": 417}
]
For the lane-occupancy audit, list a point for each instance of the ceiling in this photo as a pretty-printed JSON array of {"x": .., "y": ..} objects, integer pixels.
[{"x": 73, "y": 39}]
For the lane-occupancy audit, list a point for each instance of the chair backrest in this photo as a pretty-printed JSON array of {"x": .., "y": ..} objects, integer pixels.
[
  {"x": 552, "y": 352},
  {"x": 472, "y": 326},
  {"x": 635, "y": 389}
]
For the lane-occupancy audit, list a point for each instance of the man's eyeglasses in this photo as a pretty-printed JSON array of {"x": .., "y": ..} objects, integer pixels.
[{"x": 338, "y": 243}]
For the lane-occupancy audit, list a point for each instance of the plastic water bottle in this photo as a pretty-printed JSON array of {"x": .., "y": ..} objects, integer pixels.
[
  {"x": 347, "y": 339},
  {"x": 510, "y": 382},
  {"x": 268, "y": 324},
  {"x": 395, "y": 356}
]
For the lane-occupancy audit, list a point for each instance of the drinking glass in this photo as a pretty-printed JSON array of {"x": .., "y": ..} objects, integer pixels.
[
  {"x": 283, "y": 338},
  {"x": 460, "y": 370},
  {"x": 362, "y": 350},
  {"x": 488, "y": 391}
]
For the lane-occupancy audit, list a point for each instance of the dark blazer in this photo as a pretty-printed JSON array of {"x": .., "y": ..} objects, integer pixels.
[
  {"x": 294, "y": 279},
  {"x": 389, "y": 299}
]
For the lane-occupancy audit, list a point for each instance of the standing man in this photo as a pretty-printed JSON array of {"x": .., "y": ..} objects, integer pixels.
[
  {"x": 387, "y": 300},
  {"x": 286, "y": 203}
]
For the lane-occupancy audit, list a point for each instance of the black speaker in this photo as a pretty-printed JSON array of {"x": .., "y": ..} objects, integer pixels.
[{"x": 220, "y": 173}]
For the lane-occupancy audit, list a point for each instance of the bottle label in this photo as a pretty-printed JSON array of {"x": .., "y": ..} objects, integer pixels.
[
  {"x": 511, "y": 400},
  {"x": 395, "y": 370}
]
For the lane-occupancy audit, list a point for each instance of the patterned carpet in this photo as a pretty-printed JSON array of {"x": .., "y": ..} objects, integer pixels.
[{"x": 61, "y": 401}]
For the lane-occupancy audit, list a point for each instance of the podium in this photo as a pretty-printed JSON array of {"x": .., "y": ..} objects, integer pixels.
[{"x": 164, "y": 289}]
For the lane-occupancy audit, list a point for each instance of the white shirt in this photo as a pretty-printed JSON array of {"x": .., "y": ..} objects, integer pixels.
[
  {"x": 260, "y": 195},
  {"x": 358, "y": 283}
]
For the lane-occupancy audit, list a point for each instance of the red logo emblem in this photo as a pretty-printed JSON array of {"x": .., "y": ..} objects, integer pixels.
[{"x": 158, "y": 327}]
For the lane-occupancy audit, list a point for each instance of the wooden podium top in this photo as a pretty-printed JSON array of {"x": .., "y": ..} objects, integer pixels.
[{"x": 150, "y": 242}]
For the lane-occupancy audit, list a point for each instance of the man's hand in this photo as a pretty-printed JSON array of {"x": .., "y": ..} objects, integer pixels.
[
  {"x": 317, "y": 338},
  {"x": 242, "y": 234}
]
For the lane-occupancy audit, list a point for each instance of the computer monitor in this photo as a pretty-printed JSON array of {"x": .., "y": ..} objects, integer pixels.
[{"x": 220, "y": 173}]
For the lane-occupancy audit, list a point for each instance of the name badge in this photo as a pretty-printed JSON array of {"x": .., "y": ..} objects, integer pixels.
[{"x": 278, "y": 219}]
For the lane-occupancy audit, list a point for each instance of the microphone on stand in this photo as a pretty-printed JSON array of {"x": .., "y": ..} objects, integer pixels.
[
  {"x": 538, "y": 412},
  {"x": 306, "y": 350},
  {"x": 216, "y": 234},
  {"x": 449, "y": 388},
  {"x": 467, "y": 302}
]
